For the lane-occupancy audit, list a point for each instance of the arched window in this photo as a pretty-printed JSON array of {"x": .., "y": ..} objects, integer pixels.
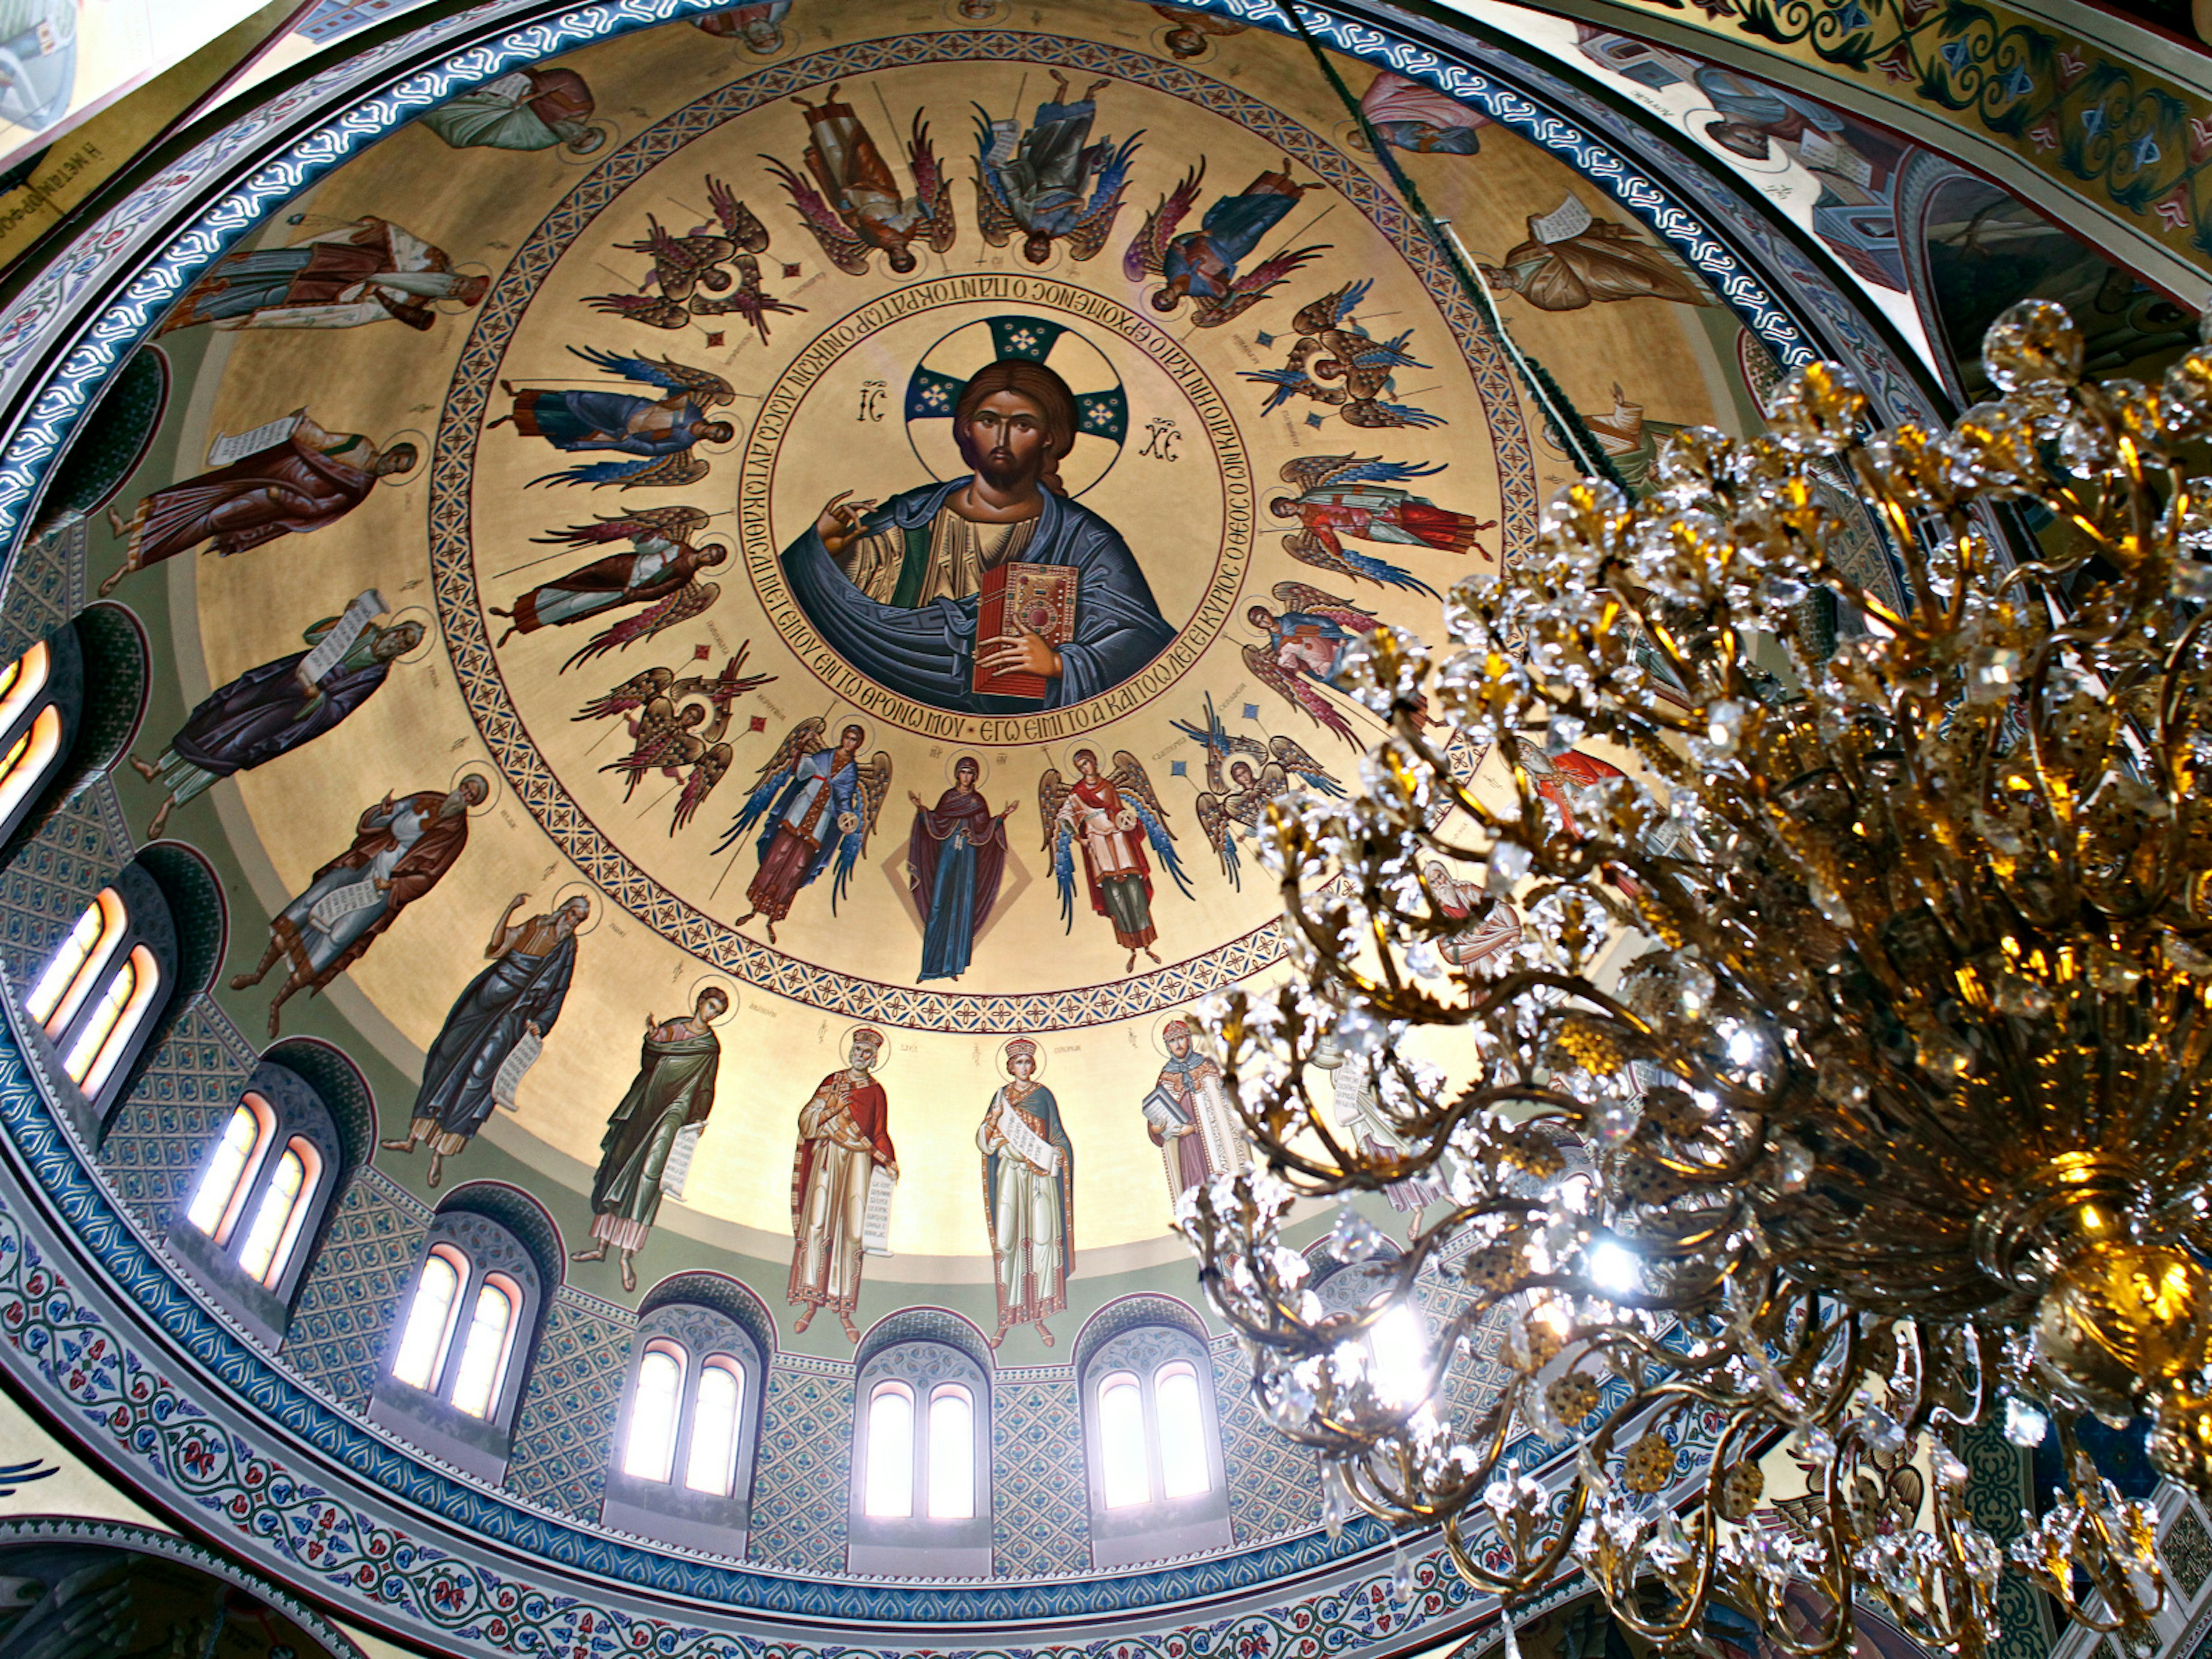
[
  {"x": 258, "y": 1206},
  {"x": 455, "y": 1373},
  {"x": 39, "y": 695},
  {"x": 430, "y": 1315},
  {"x": 891, "y": 1452},
  {"x": 74, "y": 969},
  {"x": 114, "y": 1020},
  {"x": 685, "y": 1438},
  {"x": 1157, "y": 1490},
  {"x": 922, "y": 1469},
  {"x": 21, "y": 681},
  {"x": 29, "y": 761},
  {"x": 653, "y": 1420}
]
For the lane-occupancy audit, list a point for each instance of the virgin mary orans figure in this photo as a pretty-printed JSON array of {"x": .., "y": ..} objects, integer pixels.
[
  {"x": 954, "y": 860},
  {"x": 511, "y": 1003},
  {"x": 671, "y": 1096},
  {"x": 1029, "y": 1197}
]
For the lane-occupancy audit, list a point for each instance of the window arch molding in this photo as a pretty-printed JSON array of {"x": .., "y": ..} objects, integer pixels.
[
  {"x": 711, "y": 1323},
  {"x": 94, "y": 686},
  {"x": 1144, "y": 1371},
  {"x": 502, "y": 1249},
  {"x": 940, "y": 1363},
  {"x": 241, "y": 1215}
]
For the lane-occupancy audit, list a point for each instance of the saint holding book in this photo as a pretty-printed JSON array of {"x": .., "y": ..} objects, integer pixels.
[{"x": 899, "y": 590}]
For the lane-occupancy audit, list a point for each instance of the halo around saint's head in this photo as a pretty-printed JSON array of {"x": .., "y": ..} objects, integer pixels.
[
  {"x": 1102, "y": 404},
  {"x": 477, "y": 768},
  {"x": 1025, "y": 1045},
  {"x": 883, "y": 1047},
  {"x": 573, "y": 889},
  {"x": 707, "y": 983}
]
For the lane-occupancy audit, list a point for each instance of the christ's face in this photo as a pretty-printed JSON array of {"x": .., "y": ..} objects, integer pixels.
[{"x": 1006, "y": 437}]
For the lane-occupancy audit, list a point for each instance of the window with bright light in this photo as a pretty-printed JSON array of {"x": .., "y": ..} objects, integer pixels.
[
  {"x": 1185, "y": 1469},
  {"x": 29, "y": 758},
  {"x": 430, "y": 1317},
  {"x": 100, "y": 1047},
  {"x": 952, "y": 1454},
  {"x": 231, "y": 1169},
  {"x": 281, "y": 1213},
  {"x": 21, "y": 681},
  {"x": 653, "y": 1412},
  {"x": 889, "y": 1490},
  {"x": 1124, "y": 1459},
  {"x": 1398, "y": 1351},
  {"x": 75, "y": 970},
  {"x": 483, "y": 1355},
  {"x": 713, "y": 1465}
]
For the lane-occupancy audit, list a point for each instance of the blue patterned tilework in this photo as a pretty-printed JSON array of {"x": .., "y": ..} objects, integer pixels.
[
  {"x": 45, "y": 588},
  {"x": 1040, "y": 1503},
  {"x": 345, "y": 1309},
  {"x": 46, "y": 889},
  {"x": 564, "y": 1428},
  {"x": 188, "y": 1088},
  {"x": 804, "y": 1467},
  {"x": 1274, "y": 1487}
]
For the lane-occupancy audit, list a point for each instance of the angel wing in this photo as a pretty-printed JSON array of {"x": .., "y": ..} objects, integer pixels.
[
  {"x": 660, "y": 742},
  {"x": 671, "y": 471},
  {"x": 802, "y": 740},
  {"x": 739, "y": 222},
  {"x": 674, "y": 523},
  {"x": 1318, "y": 601},
  {"x": 1058, "y": 841},
  {"x": 633, "y": 693},
  {"x": 746, "y": 299},
  {"x": 1248, "y": 291},
  {"x": 875, "y": 783},
  {"x": 1293, "y": 381},
  {"x": 995, "y": 215},
  {"x": 685, "y": 603},
  {"x": 1051, "y": 795},
  {"x": 1136, "y": 789},
  {"x": 1215, "y": 824},
  {"x": 1373, "y": 413},
  {"x": 704, "y": 387},
  {"x": 843, "y": 249},
  {"x": 1310, "y": 473},
  {"x": 1291, "y": 756},
  {"x": 654, "y": 310},
  {"x": 1318, "y": 546},
  {"x": 1322, "y": 315},
  {"x": 700, "y": 783},
  {"x": 1296, "y": 690},
  {"x": 1096, "y": 222},
  {"x": 933, "y": 189},
  {"x": 1365, "y": 352},
  {"x": 1148, "y": 256}
]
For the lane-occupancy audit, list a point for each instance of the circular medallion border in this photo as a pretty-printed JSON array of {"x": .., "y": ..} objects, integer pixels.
[{"x": 484, "y": 689}]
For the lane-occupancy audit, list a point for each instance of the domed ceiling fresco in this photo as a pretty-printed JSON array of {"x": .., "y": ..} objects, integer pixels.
[{"x": 721, "y": 603}]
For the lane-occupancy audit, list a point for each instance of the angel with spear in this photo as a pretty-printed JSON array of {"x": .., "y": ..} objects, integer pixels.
[{"x": 658, "y": 432}]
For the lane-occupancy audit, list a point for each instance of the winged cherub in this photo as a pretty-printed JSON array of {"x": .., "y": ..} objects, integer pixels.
[
  {"x": 677, "y": 727},
  {"x": 688, "y": 270},
  {"x": 1306, "y": 646},
  {"x": 1032, "y": 182},
  {"x": 1202, "y": 263},
  {"x": 661, "y": 572},
  {"x": 1112, "y": 816},
  {"x": 1337, "y": 362},
  {"x": 859, "y": 210},
  {"x": 812, "y": 802},
  {"x": 1341, "y": 495},
  {"x": 1243, "y": 776},
  {"x": 658, "y": 432}
]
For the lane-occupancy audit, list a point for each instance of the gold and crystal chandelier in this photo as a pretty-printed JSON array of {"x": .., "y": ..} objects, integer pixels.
[{"x": 1850, "y": 1083}]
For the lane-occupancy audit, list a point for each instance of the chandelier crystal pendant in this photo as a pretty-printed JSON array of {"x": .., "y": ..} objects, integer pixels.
[{"x": 1851, "y": 1084}]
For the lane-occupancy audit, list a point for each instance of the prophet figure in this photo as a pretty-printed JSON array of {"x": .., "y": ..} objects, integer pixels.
[
  {"x": 1189, "y": 1117},
  {"x": 806, "y": 790},
  {"x": 1193, "y": 30},
  {"x": 530, "y": 109},
  {"x": 661, "y": 571},
  {"x": 864, "y": 212},
  {"x": 401, "y": 849},
  {"x": 364, "y": 272},
  {"x": 1111, "y": 817},
  {"x": 510, "y": 1005},
  {"x": 1032, "y": 182},
  {"x": 658, "y": 432},
  {"x": 1359, "y": 1113},
  {"x": 1486, "y": 926},
  {"x": 38, "y": 63},
  {"x": 1029, "y": 1197},
  {"x": 273, "y": 709},
  {"x": 1201, "y": 265},
  {"x": 1571, "y": 260},
  {"x": 1419, "y": 118},
  {"x": 303, "y": 481},
  {"x": 955, "y": 857},
  {"x": 759, "y": 26},
  {"x": 895, "y": 589},
  {"x": 669, "y": 1102},
  {"x": 844, "y": 1137}
]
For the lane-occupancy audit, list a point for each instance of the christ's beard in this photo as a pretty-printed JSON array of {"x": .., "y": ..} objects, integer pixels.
[{"x": 1002, "y": 472}]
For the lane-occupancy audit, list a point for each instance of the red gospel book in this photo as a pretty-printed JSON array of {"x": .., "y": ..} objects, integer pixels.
[{"x": 1039, "y": 596}]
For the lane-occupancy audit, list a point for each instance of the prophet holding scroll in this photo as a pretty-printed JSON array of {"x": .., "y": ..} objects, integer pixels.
[
  {"x": 844, "y": 1137},
  {"x": 1029, "y": 1197}
]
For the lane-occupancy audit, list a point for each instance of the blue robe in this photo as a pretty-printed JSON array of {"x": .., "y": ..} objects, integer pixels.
[
  {"x": 1232, "y": 228},
  {"x": 482, "y": 1029},
  {"x": 578, "y": 420},
  {"x": 929, "y": 654}
]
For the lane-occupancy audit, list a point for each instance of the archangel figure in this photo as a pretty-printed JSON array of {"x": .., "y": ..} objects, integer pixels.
[
  {"x": 678, "y": 728},
  {"x": 1307, "y": 643},
  {"x": 1032, "y": 182},
  {"x": 1341, "y": 495},
  {"x": 658, "y": 432},
  {"x": 1337, "y": 362},
  {"x": 1112, "y": 816},
  {"x": 688, "y": 272},
  {"x": 1243, "y": 776},
  {"x": 864, "y": 212},
  {"x": 812, "y": 801},
  {"x": 1202, "y": 263},
  {"x": 661, "y": 571}
]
